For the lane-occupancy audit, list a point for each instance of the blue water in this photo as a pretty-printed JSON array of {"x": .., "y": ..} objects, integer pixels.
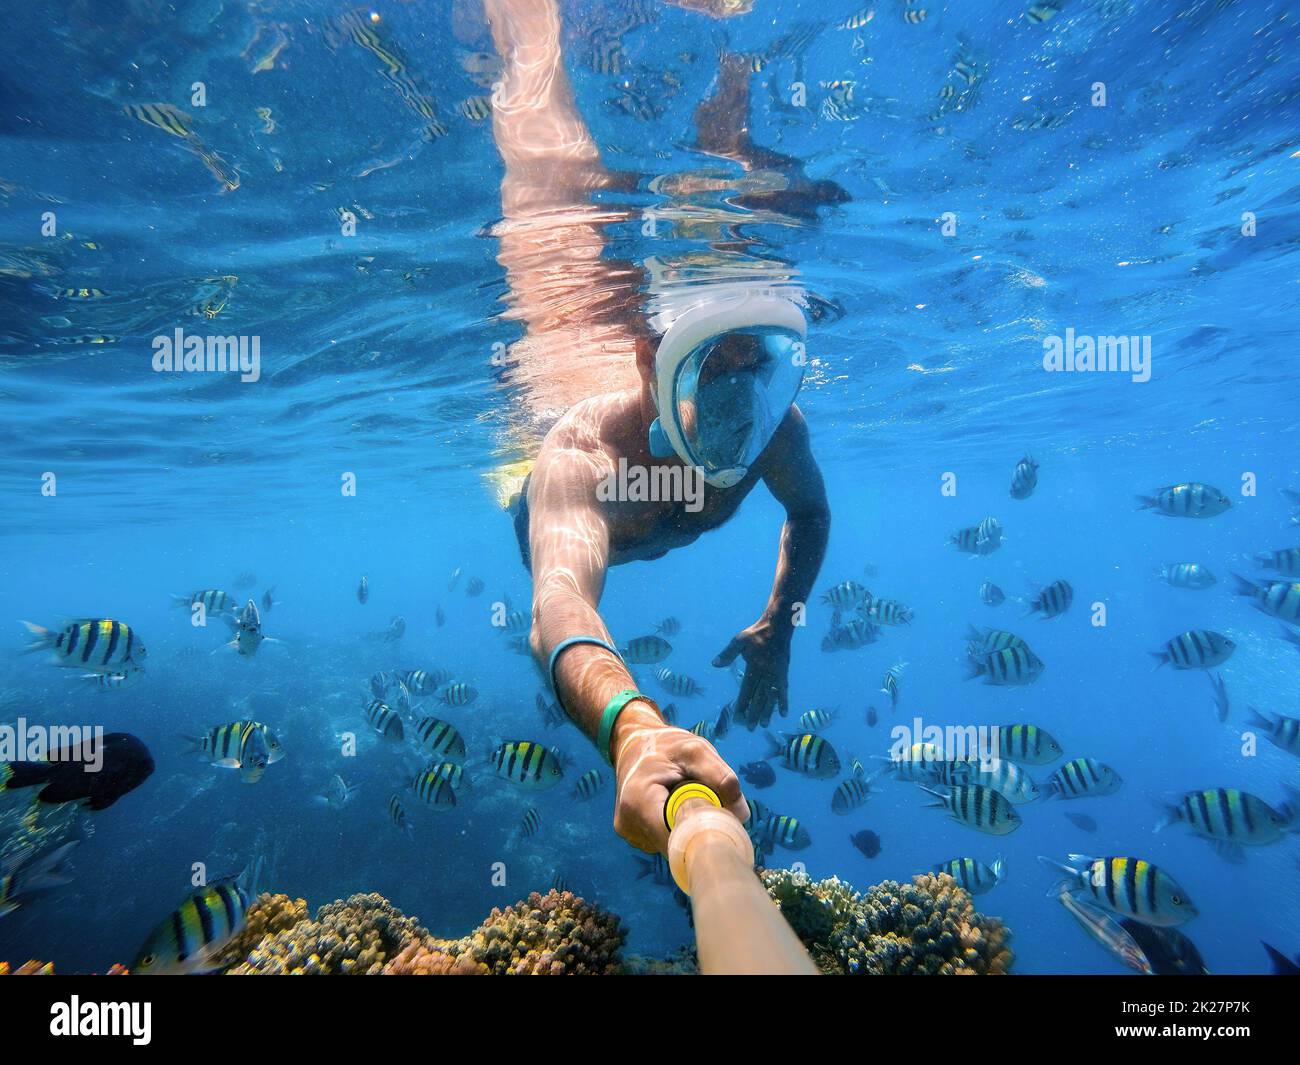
[{"x": 1123, "y": 219}]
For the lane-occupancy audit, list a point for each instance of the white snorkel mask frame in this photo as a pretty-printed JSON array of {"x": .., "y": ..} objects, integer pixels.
[{"x": 751, "y": 312}]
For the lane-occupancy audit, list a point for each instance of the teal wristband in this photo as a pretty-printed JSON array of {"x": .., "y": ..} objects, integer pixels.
[
  {"x": 564, "y": 645},
  {"x": 612, "y": 709}
]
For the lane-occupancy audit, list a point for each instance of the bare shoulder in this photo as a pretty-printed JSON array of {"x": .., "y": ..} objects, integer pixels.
[{"x": 592, "y": 426}]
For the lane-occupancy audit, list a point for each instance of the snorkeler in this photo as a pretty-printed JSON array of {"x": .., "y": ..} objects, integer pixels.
[{"x": 712, "y": 400}]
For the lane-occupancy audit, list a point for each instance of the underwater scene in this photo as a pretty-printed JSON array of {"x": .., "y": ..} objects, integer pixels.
[{"x": 475, "y": 471}]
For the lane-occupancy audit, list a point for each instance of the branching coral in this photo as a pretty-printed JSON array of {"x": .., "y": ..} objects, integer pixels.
[{"x": 927, "y": 926}]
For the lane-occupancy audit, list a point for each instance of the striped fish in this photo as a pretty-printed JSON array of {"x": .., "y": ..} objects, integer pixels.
[
  {"x": 925, "y": 762},
  {"x": 1010, "y": 666},
  {"x": 397, "y": 814},
  {"x": 981, "y": 642},
  {"x": 1230, "y": 816},
  {"x": 385, "y": 720},
  {"x": 165, "y": 117},
  {"x": 973, "y": 876},
  {"x": 1025, "y": 478},
  {"x": 849, "y": 794},
  {"x": 1195, "y": 649},
  {"x": 589, "y": 785},
  {"x": 645, "y": 650},
  {"x": 991, "y": 594},
  {"x": 857, "y": 20},
  {"x": 976, "y": 807},
  {"x": 248, "y": 746},
  {"x": 474, "y": 588},
  {"x": 846, "y": 594},
  {"x": 1191, "y": 500},
  {"x": 1052, "y": 601},
  {"x": 528, "y": 764},
  {"x": 889, "y": 683},
  {"x": 459, "y": 694},
  {"x": 787, "y": 832},
  {"x": 678, "y": 683},
  {"x": 1285, "y": 561},
  {"x": 475, "y": 108},
  {"x": 1186, "y": 575},
  {"x": 1083, "y": 778},
  {"x": 1281, "y": 599},
  {"x": 805, "y": 753},
  {"x": 1004, "y": 777},
  {"x": 514, "y": 623},
  {"x": 1132, "y": 887},
  {"x": 189, "y": 939},
  {"x": 434, "y": 789},
  {"x": 100, "y": 645},
  {"x": 669, "y": 627},
  {"x": 981, "y": 539},
  {"x": 1028, "y": 744},
  {"x": 817, "y": 719},
  {"x": 1040, "y": 13},
  {"x": 889, "y": 612},
  {"x": 424, "y": 682},
  {"x": 452, "y": 772},
  {"x": 857, "y": 633},
  {"x": 914, "y": 15},
  {"x": 83, "y": 293},
  {"x": 439, "y": 738},
  {"x": 1283, "y": 732},
  {"x": 531, "y": 823}
]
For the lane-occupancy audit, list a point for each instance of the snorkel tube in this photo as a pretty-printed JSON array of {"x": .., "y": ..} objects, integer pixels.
[
  {"x": 754, "y": 312},
  {"x": 738, "y": 929}
]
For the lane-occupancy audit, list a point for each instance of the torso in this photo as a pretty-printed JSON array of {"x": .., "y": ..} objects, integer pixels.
[{"x": 644, "y": 530}]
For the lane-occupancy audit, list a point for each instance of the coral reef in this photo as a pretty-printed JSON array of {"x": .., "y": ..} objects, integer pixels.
[
  {"x": 46, "y": 968},
  {"x": 267, "y": 915},
  {"x": 352, "y": 937},
  {"x": 552, "y": 934},
  {"x": 549, "y": 935},
  {"x": 928, "y": 926}
]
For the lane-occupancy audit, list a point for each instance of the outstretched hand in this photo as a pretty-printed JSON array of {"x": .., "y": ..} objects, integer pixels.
[{"x": 767, "y": 667}]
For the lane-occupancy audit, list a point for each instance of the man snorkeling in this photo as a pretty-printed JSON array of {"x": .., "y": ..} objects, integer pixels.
[{"x": 717, "y": 374}]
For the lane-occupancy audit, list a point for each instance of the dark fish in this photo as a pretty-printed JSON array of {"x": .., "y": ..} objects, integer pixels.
[
  {"x": 268, "y": 599},
  {"x": 872, "y": 717},
  {"x": 1169, "y": 952},
  {"x": 867, "y": 842},
  {"x": 363, "y": 590},
  {"x": 759, "y": 774},
  {"x": 1083, "y": 821},
  {"x": 1282, "y": 965},
  {"x": 127, "y": 764}
]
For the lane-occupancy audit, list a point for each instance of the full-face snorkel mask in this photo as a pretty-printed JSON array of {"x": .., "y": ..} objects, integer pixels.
[{"x": 726, "y": 374}]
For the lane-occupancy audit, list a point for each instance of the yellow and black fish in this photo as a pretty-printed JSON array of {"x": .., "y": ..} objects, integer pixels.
[
  {"x": 528, "y": 764},
  {"x": 188, "y": 939},
  {"x": 100, "y": 645}
]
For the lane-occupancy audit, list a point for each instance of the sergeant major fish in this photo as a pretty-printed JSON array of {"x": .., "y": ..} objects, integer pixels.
[
  {"x": 1191, "y": 500},
  {"x": 974, "y": 876},
  {"x": 1186, "y": 575},
  {"x": 976, "y": 807},
  {"x": 1131, "y": 887},
  {"x": 1025, "y": 478},
  {"x": 1195, "y": 649},
  {"x": 1280, "y": 599},
  {"x": 528, "y": 764},
  {"x": 189, "y": 940},
  {"x": 1083, "y": 778},
  {"x": 100, "y": 645}
]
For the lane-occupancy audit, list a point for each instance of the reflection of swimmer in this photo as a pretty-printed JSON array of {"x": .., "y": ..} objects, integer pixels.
[{"x": 711, "y": 402}]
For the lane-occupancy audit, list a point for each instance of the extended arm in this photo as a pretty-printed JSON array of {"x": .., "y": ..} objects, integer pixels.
[
  {"x": 793, "y": 477},
  {"x": 569, "y": 545}
]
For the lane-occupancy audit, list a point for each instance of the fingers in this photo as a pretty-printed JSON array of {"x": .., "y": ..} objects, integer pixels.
[
  {"x": 728, "y": 653},
  {"x": 703, "y": 763},
  {"x": 744, "y": 699},
  {"x": 783, "y": 695}
]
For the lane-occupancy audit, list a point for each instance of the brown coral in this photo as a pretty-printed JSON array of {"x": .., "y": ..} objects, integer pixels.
[
  {"x": 267, "y": 915},
  {"x": 553, "y": 934},
  {"x": 927, "y": 926},
  {"x": 353, "y": 937},
  {"x": 557, "y": 933}
]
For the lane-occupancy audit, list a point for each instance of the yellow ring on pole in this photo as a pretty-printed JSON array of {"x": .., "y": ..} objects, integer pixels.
[{"x": 690, "y": 790}]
